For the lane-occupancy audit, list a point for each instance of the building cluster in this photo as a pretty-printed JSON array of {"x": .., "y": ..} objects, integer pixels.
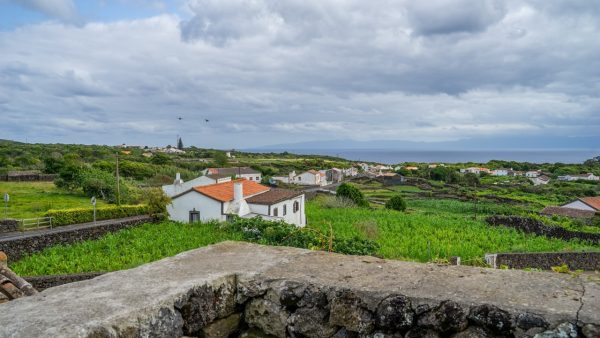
[
  {"x": 223, "y": 193},
  {"x": 537, "y": 177},
  {"x": 316, "y": 177}
]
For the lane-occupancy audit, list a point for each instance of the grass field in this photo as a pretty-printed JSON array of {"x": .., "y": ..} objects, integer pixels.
[
  {"x": 33, "y": 199},
  {"x": 431, "y": 230}
]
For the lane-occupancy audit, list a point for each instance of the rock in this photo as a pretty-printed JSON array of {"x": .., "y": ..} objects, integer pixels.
[
  {"x": 204, "y": 304},
  {"x": 269, "y": 317},
  {"x": 313, "y": 297},
  {"x": 591, "y": 331},
  {"x": 528, "y": 320},
  {"x": 448, "y": 316},
  {"x": 473, "y": 332},
  {"x": 564, "y": 330},
  {"x": 491, "y": 318},
  {"x": 311, "y": 322},
  {"x": 395, "y": 314},
  {"x": 349, "y": 311},
  {"x": 383, "y": 335},
  {"x": 247, "y": 289},
  {"x": 422, "y": 308},
  {"x": 291, "y": 293},
  {"x": 254, "y": 333},
  {"x": 421, "y": 333},
  {"x": 222, "y": 328},
  {"x": 343, "y": 333}
]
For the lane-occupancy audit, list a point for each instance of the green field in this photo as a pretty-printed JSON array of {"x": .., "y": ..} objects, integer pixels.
[
  {"x": 33, "y": 199},
  {"x": 431, "y": 230}
]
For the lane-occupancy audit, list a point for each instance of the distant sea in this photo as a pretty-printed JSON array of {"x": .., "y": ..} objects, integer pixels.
[{"x": 449, "y": 156}]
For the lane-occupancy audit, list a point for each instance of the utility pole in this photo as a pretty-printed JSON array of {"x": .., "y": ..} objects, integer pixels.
[{"x": 118, "y": 183}]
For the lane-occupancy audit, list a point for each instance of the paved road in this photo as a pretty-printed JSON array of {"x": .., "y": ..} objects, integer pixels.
[{"x": 24, "y": 234}]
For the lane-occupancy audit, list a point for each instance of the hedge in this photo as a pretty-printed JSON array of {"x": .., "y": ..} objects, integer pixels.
[{"x": 84, "y": 215}]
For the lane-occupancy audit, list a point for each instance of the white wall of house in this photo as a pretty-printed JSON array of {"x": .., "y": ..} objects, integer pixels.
[
  {"x": 578, "y": 205},
  {"x": 251, "y": 177},
  {"x": 532, "y": 174},
  {"x": 307, "y": 178},
  {"x": 500, "y": 172},
  {"x": 297, "y": 218},
  {"x": 180, "y": 207}
]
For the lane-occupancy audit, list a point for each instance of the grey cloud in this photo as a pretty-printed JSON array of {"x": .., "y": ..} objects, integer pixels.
[
  {"x": 454, "y": 16},
  {"x": 266, "y": 71},
  {"x": 64, "y": 10}
]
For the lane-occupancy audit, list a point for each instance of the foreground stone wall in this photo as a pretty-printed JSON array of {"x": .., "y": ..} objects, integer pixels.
[
  {"x": 246, "y": 290},
  {"x": 45, "y": 282},
  {"x": 8, "y": 225},
  {"x": 588, "y": 261},
  {"x": 533, "y": 226},
  {"x": 19, "y": 245}
]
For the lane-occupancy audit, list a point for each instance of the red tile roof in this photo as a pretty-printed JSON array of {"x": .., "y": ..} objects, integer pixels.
[
  {"x": 593, "y": 202},
  {"x": 274, "y": 196},
  {"x": 224, "y": 191}
]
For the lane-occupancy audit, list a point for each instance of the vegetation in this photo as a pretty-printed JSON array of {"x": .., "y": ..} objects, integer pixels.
[
  {"x": 396, "y": 203},
  {"x": 352, "y": 193},
  {"x": 33, "y": 199},
  {"x": 84, "y": 215}
]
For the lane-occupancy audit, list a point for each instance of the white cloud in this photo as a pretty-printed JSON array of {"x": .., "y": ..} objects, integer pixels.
[
  {"x": 266, "y": 71},
  {"x": 60, "y": 9}
]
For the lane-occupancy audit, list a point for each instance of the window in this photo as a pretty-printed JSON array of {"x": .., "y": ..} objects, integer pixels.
[
  {"x": 250, "y": 178},
  {"x": 296, "y": 206},
  {"x": 194, "y": 216},
  {"x": 275, "y": 212},
  {"x": 257, "y": 178},
  {"x": 229, "y": 218},
  {"x": 284, "y": 209}
]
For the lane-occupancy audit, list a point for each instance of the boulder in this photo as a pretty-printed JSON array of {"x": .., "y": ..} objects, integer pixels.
[
  {"x": 591, "y": 331},
  {"x": 421, "y": 333},
  {"x": 528, "y": 321},
  {"x": 267, "y": 316},
  {"x": 395, "y": 314},
  {"x": 564, "y": 330},
  {"x": 222, "y": 328},
  {"x": 473, "y": 332},
  {"x": 348, "y": 310},
  {"x": 449, "y": 316},
  {"x": 491, "y": 318},
  {"x": 311, "y": 323}
]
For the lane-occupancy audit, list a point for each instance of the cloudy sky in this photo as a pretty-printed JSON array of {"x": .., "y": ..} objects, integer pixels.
[{"x": 282, "y": 71}]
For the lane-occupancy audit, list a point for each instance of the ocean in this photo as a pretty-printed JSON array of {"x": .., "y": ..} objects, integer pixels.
[{"x": 451, "y": 156}]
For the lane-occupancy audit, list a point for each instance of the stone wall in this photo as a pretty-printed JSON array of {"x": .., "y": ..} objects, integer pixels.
[
  {"x": 17, "y": 246},
  {"x": 245, "y": 290},
  {"x": 8, "y": 225},
  {"x": 533, "y": 226},
  {"x": 44, "y": 282},
  {"x": 588, "y": 261}
]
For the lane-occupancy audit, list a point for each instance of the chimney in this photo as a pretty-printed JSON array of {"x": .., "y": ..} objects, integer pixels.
[
  {"x": 238, "y": 191},
  {"x": 178, "y": 180}
]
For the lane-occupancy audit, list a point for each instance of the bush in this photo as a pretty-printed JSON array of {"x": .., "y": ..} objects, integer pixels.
[
  {"x": 157, "y": 203},
  {"x": 332, "y": 202},
  {"x": 352, "y": 192},
  {"x": 84, "y": 215},
  {"x": 281, "y": 233},
  {"x": 396, "y": 203}
]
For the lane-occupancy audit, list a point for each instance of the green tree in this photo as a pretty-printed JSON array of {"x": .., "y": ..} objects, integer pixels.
[
  {"x": 180, "y": 144},
  {"x": 396, "y": 203},
  {"x": 160, "y": 159},
  {"x": 157, "y": 203},
  {"x": 220, "y": 158},
  {"x": 351, "y": 192},
  {"x": 471, "y": 179},
  {"x": 69, "y": 175}
]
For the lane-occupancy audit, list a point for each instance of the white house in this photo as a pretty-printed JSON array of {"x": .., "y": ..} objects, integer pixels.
[
  {"x": 500, "y": 172},
  {"x": 539, "y": 180},
  {"x": 533, "y": 173},
  {"x": 241, "y": 197},
  {"x": 586, "y": 177},
  {"x": 586, "y": 203},
  {"x": 180, "y": 186},
  {"x": 237, "y": 172},
  {"x": 311, "y": 177},
  {"x": 285, "y": 179},
  {"x": 475, "y": 170}
]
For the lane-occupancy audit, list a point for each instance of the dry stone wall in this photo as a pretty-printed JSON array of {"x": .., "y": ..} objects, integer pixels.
[{"x": 245, "y": 290}]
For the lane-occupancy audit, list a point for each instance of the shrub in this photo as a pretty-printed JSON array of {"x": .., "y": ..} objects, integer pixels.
[
  {"x": 352, "y": 192},
  {"x": 396, "y": 203},
  {"x": 281, "y": 233},
  {"x": 84, "y": 215},
  {"x": 332, "y": 202},
  {"x": 157, "y": 203}
]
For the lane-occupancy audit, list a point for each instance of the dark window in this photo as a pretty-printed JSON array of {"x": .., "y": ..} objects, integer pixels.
[
  {"x": 194, "y": 216},
  {"x": 296, "y": 206},
  {"x": 275, "y": 212},
  {"x": 257, "y": 178},
  {"x": 284, "y": 209},
  {"x": 229, "y": 218}
]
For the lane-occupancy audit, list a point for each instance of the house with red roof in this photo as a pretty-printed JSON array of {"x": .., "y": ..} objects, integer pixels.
[
  {"x": 240, "y": 197},
  {"x": 585, "y": 203}
]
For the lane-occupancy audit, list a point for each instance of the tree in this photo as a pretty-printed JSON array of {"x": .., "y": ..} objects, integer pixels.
[
  {"x": 157, "y": 203},
  {"x": 396, "y": 203},
  {"x": 160, "y": 159},
  {"x": 69, "y": 175},
  {"x": 351, "y": 192},
  {"x": 471, "y": 179},
  {"x": 180, "y": 144},
  {"x": 220, "y": 158}
]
